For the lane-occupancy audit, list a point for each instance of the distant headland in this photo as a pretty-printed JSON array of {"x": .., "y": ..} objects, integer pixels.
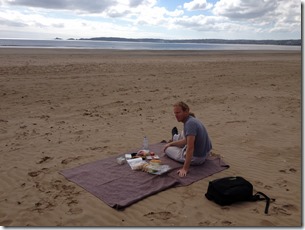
[{"x": 290, "y": 42}]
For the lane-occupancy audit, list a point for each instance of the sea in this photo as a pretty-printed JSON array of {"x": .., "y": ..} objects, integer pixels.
[{"x": 122, "y": 45}]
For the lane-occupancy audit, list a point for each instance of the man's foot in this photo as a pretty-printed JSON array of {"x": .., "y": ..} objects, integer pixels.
[{"x": 174, "y": 131}]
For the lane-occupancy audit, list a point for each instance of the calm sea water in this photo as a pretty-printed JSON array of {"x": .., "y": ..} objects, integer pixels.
[{"x": 88, "y": 44}]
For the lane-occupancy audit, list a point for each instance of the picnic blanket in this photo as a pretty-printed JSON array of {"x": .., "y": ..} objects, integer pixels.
[{"x": 119, "y": 186}]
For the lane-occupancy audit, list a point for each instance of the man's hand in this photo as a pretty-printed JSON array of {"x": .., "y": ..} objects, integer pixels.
[
  {"x": 190, "y": 140},
  {"x": 166, "y": 146},
  {"x": 182, "y": 172}
]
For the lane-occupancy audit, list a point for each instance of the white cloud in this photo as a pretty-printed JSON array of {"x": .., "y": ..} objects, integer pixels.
[
  {"x": 92, "y": 6},
  {"x": 152, "y": 15},
  {"x": 82, "y": 6},
  {"x": 287, "y": 16},
  {"x": 208, "y": 23},
  {"x": 34, "y": 22},
  {"x": 243, "y": 9},
  {"x": 197, "y": 5},
  {"x": 264, "y": 16},
  {"x": 134, "y": 3},
  {"x": 11, "y": 23}
]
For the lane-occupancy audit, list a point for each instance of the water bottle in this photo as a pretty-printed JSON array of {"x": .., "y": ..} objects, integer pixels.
[{"x": 145, "y": 143}]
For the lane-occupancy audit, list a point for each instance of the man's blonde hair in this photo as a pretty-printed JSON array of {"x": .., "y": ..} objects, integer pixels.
[{"x": 184, "y": 107}]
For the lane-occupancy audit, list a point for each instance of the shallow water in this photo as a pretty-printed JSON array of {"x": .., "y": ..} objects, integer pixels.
[{"x": 89, "y": 44}]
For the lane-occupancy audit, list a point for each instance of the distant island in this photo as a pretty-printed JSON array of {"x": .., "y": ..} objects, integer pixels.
[{"x": 290, "y": 42}]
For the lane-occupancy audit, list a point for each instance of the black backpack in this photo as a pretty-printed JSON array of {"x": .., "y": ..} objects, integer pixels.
[{"x": 228, "y": 190}]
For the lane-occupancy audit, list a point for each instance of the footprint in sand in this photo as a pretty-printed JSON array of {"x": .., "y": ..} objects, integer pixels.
[
  {"x": 226, "y": 222},
  {"x": 159, "y": 215},
  {"x": 205, "y": 223},
  {"x": 57, "y": 184},
  {"x": 75, "y": 211},
  {"x": 291, "y": 170},
  {"x": 172, "y": 206},
  {"x": 281, "y": 183},
  {"x": 70, "y": 159},
  {"x": 34, "y": 174},
  {"x": 43, "y": 205},
  {"x": 261, "y": 184},
  {"x": 268, "y": 187},
  {"x": 280, "y": 211},
  {"x": 98, "y": 148},
  {"x": 258, "y": 183},
  {"x": 285, "y": 209},
  {"x": 44, "y": 159},
  {"x": 37, "y": 173},
  {"x": 267, "y": 223},
  {"x": 255, "y": 210},
  {"x": 290, "y": 207},
  {"x": 72, "y": 202}
]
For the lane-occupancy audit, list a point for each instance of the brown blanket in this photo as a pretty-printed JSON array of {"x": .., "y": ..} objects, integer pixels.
[{"x": 119, "y": 186}]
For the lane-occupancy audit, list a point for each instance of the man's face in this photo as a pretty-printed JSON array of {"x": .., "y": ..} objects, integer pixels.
[{"x": 180, "y": 114}]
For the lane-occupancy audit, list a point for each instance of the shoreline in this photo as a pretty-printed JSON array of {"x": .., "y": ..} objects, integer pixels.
[
  {"x": 141, "y": 50},
  {"x": 130, "y": 46}
]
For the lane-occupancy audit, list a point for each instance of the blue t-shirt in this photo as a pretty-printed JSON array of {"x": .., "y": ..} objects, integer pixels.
[{"x": 203, "y": 144}]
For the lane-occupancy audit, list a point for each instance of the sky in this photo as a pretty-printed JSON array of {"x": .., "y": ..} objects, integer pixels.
[{"x": 164, "y": 19}]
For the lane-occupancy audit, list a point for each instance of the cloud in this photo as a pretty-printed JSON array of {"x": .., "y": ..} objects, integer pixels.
[
  {"x": 244, "y": 9},
  {"x": 204, "y": 23},
  {"x": 147, "y": 14},
  {"x": 135, "y": 3},
  {"x": 58, "y": 25},
  {"x": 44, "y": 26},
  {"x": 197, "y": 5},
  {"x": 11, "y": 23},
  {"x": 92, "y": 6},
  {"x": 287, "y": 16},
  {"x": 155, "y": 16},
  {"x": 264, "y": 16},
  {"x": 56, "y": 4}
]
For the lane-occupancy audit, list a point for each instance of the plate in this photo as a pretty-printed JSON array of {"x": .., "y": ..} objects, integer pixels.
[{"x": 158, "y": 170}]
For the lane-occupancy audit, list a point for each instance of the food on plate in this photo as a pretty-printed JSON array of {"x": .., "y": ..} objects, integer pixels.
[
  {"x": 143, "y": 153},
  {"x": 145, "y": 167},
  {"x": 155, "y": 161},
  {"x": 152, "y": 170},
  {"x": 138, "y": 166}
]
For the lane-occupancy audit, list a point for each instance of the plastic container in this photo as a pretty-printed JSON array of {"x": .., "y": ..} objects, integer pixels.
[
  {"x": 121, "y": 160},
  {"x": 145, "y": 143}
]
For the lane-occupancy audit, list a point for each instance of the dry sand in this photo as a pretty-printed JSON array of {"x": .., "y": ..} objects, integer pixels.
[{"x": 63, "y": 108}]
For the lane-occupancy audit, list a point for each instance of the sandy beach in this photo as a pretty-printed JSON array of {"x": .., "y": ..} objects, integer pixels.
[{"x": 63, "y": 108}]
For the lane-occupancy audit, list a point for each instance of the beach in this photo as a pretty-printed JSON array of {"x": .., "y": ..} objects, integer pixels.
[{"x": 61, "y": 108}]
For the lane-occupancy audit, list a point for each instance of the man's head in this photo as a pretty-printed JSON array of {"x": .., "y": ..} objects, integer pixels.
[{"x": 181, "y": 111}]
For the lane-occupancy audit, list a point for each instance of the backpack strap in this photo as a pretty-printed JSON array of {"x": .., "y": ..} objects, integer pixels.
[{"x": 257, "y": 197}]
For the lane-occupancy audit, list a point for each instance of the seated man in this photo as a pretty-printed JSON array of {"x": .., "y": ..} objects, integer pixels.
[{"x": 193, "y": 145}]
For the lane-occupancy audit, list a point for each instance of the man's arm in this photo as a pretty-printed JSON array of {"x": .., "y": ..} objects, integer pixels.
[
  {"x": 179, "y": 143},
  {"x": 190, "y": 141}
]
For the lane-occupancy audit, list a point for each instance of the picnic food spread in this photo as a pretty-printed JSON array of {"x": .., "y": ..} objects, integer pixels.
[{"x": 146, "y": 161}]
